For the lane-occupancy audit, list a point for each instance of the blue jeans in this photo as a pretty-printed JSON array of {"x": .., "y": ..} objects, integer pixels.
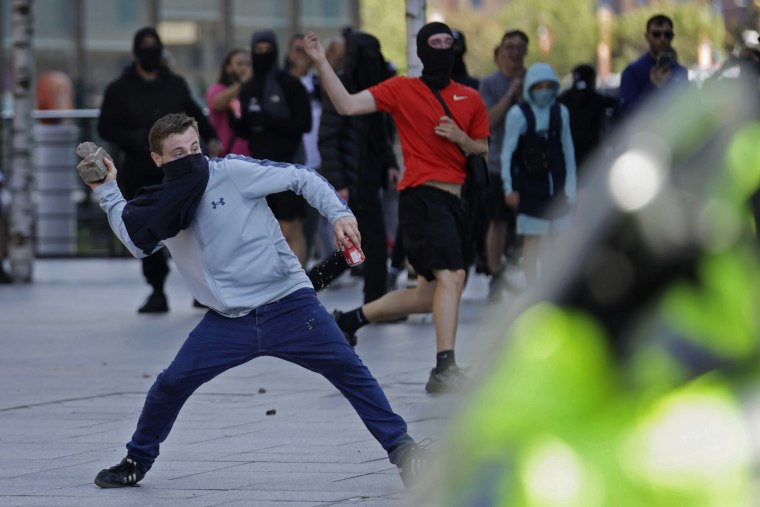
[{"x": 296, "y": 328}]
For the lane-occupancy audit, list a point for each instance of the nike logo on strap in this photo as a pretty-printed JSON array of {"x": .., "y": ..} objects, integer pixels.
[{"x": 459, "y": 97}]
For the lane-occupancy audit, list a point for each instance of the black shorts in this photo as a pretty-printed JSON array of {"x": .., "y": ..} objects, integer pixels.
[
  {"x": 496, "y": 209},
  {"x": 431, "y": 229},
  {"x": 287, "y": 205}
]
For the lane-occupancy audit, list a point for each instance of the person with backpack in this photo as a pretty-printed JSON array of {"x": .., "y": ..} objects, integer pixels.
[
  {"x": 538, "y": 164},
  {"x": 275, "y": 114}
]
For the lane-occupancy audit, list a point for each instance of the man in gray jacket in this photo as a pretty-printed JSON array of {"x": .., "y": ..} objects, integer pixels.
[{"x": 213, "y": 217}]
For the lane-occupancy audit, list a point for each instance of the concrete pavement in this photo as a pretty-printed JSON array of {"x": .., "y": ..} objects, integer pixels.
[{"x": 77, "y": 361}]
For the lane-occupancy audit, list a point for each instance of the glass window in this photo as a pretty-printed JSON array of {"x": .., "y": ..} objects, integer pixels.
[
  {"x": 251, "y": 15},
  {"x": 198, "y": 10},
  {"x": 54, "y": 38},
  {"x": 53, "y": 22},
  {"x": 109, "y": 27},
  {"x": 325, "y": 14},
  {"x": 260, "y": 13}
]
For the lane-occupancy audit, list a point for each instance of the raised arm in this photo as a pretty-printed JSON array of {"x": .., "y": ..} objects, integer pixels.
[{"x": 345, "y": 103}]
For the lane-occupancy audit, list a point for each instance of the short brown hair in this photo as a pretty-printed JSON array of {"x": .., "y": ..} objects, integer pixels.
[
  {"x": 175, "y": 123},
  {"x": 516, "y": 33}
]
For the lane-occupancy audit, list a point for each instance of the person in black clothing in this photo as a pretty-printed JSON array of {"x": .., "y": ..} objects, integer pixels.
[
  {"x": 146, "y": 91},
  {"x": 589, "y": 112},
  {"x": 460, "y": 74},
  {"x": 474, "y": 208},
  {"x": 275, "y": 114},
  {"x": 357, "y": 156}
]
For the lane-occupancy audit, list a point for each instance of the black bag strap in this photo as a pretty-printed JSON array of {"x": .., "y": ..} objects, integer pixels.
[
  {"x": 530, "y": 118},
  {"x": 448, "y": 113},
  {"x": 443, "y": 103},
  {"x": 555, "y": 120}
]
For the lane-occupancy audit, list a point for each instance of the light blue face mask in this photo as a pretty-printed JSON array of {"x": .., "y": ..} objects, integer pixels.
[{"x": 542, "y": 97}]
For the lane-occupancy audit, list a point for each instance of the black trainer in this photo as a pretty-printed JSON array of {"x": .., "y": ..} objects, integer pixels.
[
  {"x": 495, "y": 287},
  {"x": 498, "y": 284},
  {"x": 350, "y": 337},
  {"x": 450, "y": 380},
  {"x": 156, "y": 303},
  {"x": 414, "y": 463},
  {"x": 126, "y": 473},
  {"x": 5, "y": 278}
]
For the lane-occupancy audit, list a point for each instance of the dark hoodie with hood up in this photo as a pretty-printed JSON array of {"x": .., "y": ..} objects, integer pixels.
[
  {"x": 357, "y": 151},
  {"x": 131, "y": 105},
  {"x": 275, "y": 108},
  {"x": 589, "y": 112}
]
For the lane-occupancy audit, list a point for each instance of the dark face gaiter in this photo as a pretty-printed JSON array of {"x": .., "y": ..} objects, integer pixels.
[
  {"x": 265, "y": 62},
  {"x": 437, "y": 64},
  {"x": 149, "y": 58},
  {"x": 262, "y": 63},
  {"x": 159, "y": 212}
]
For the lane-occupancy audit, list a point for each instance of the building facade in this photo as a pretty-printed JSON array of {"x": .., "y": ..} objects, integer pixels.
[{"x": 91, "y": 40}]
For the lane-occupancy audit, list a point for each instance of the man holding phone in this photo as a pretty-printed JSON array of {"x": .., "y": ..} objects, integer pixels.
[{"x": 655, "y": 69}]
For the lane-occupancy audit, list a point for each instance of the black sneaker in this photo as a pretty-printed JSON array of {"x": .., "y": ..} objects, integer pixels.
[
  {"x": 156, "y": 303},
  {"x": 126, "y": 473},
  {"x": 451, "y": 380},
  {"x": 5, "y": 278},
  {"x": 414, "y": 463},
  {"x": 495, "y": 287},
  {"x": 514, "y": 256},
  {"x": 350, "y": 337},
  {"x": 498, "y": 284}
]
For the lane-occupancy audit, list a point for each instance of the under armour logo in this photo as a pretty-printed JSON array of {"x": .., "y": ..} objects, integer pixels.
[{"x": 220, "y": 203}]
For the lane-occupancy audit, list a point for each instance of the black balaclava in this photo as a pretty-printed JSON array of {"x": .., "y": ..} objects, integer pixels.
[
  {"x": 149, "y": 58},
  {"x": 437, "y": 64},
  {"x": 584, "y": 78},
  {"x": 365, "y": 65},
  {"x": 264, "y": 63}
]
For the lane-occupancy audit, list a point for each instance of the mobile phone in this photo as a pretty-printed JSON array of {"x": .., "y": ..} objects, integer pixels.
[{"x": 664, "y": 59}]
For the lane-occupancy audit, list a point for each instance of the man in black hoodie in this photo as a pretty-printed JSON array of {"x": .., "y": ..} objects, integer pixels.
[
  {"x": 357, "y": 156},
  {"x": 589, "y": 112},
  {"x": 146, "y": 91},
  {"x": 275, "y": 114},
  {"x": 460, "y": 73}
]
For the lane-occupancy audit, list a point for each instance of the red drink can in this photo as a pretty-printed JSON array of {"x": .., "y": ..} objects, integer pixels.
[{"x": 353, "y": 255}]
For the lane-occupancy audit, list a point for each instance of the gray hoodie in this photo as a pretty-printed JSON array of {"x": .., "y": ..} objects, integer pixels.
[{"x": 233, "y": 256}]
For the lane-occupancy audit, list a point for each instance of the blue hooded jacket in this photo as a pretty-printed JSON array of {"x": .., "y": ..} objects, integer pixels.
[{"x": 516, "y": 125}]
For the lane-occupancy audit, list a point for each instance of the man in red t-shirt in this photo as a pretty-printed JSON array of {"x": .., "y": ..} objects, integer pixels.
[{"x": 429, "y": 209}]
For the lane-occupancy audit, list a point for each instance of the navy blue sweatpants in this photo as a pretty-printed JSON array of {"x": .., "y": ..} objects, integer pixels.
[{"x": 296, "y": 328}]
